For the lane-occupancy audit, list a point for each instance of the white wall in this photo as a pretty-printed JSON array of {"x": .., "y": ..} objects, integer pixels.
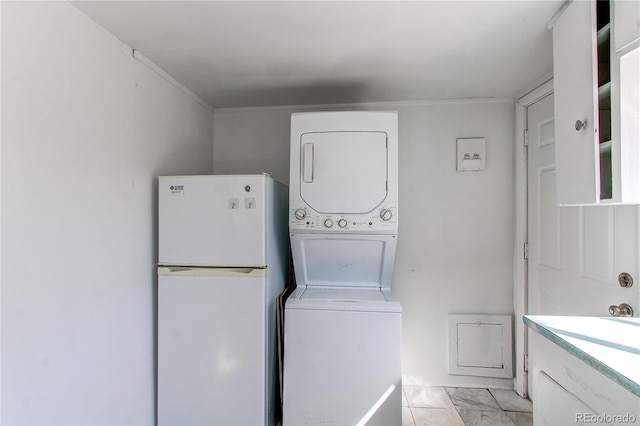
[
  {"x": 86, "y": 129},
  {"x": 252, "y": 140},
  {"x": 455, "y": 245}
]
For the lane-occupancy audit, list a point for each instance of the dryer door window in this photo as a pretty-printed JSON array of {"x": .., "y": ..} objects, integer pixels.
[{"x": 343, "y": 172}]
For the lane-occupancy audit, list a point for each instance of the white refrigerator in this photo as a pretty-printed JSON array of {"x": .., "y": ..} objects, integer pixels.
[{"x": 223, "y": 257}]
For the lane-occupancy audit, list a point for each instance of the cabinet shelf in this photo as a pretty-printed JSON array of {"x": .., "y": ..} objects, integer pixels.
[
  {"x": 604, "y": 112},
  {"x": 603, "y": 34},
  {"x": 604, "y": 56},
  {"x": 603, "y": 52},
  {"x": 604, "y": 91}
]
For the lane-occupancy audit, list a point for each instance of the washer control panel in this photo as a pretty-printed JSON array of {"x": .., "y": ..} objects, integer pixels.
[{"x": 383, "y": 218}]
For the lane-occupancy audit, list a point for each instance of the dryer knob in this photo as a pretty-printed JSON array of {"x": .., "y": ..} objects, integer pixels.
[
  {"x": 342, "y": 223},
  {"x": 328, "y": 223},
  {"x": 385, "y": 214},
  {"x": 300, "y": 214}
]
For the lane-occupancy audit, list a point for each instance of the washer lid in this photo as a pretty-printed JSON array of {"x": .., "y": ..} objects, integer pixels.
[
  {"x": 343, "y": 172},
  {"x": 343, "y": 299},
  {"x": 343, "y": 260},
  {"x": 343, "y": 294}
]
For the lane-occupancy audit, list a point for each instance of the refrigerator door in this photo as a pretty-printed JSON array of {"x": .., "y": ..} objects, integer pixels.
[
  {"x": 215, "y": 220},
  {"x": 212, "y": 360}
]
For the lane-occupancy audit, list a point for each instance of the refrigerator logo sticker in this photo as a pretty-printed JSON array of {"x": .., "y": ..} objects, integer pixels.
[{"x": 177, "y": 189}]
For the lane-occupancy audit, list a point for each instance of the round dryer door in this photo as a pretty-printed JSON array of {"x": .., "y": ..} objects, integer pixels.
[{"x": 343, "y": 172}]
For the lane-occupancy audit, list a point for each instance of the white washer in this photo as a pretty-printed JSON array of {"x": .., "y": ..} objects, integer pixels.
[
  {"x": 342, "y": 357},
  {"x": 343, "y": 335}
]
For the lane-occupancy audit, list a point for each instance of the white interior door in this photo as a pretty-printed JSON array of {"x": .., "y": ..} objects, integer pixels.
[
  {"x": 545, "y": 265},
  {"x": 343, "y": 172},
  {"x": 575, "y": 253}
]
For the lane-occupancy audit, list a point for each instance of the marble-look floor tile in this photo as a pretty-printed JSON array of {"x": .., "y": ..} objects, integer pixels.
[
  {"x": 485, "y": 418},
  {"x": 427, "y": 397},
  {"x": 436, "y": 416},
  {"x": 407, "y": 417},
  {"x": 405, "y": 403},
  {"x": 511, "y": 401},
  {"x": 520, "y": 418},
  {"x": 472, "y": 399}
]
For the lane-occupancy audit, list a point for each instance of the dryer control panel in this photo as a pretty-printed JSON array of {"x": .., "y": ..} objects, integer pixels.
[{"x": 382, "y": 219}]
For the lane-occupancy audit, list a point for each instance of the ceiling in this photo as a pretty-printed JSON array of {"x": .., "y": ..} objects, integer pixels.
[{"x": 270, "y": 53}]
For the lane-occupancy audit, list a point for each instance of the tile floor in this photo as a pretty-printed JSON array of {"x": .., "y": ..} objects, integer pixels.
[{"x": 439, "y": 406}]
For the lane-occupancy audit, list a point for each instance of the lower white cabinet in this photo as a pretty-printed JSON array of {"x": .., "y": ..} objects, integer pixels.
[
  {"x": 627, "y": 28},
  {"x": 567, "y": 391},
  {"x": 555, "y": 404}
]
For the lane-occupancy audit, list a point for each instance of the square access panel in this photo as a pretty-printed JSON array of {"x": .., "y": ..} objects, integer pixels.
[
  {"x": 480, "y": 345},
  {"x": 471, "y": 154}
]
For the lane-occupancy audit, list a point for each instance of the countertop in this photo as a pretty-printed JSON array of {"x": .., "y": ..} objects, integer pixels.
[{"x": 610, "y": 345}]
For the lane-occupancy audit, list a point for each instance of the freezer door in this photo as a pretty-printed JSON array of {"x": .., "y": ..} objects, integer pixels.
[
  {"x": 212, "y": 360},
  {"x": 212, "y": 220}
]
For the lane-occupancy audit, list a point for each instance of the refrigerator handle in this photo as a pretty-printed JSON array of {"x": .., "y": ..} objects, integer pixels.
[
  {"x": 193, "y": 271},
  {"x": 307, "y": 163}
]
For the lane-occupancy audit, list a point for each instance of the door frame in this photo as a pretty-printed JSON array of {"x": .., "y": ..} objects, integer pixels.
[{"x": 538, "y": 91}]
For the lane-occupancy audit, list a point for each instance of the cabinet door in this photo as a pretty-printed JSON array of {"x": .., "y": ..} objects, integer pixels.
[
  {"x": 574, "y": 46},
  {"x": 626, "y": 182},
  {"x": 553, "y": 405}
]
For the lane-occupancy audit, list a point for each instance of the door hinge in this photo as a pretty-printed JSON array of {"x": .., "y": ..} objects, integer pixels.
[
  {"x": 526, "y": 138},
  {"x": 526, "y": 251},
  {"x": 526, "y": 363}
]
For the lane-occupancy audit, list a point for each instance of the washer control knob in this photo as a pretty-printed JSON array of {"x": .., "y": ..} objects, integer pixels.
[
  {"x": 300, "y": 214},
  {"x": 342, "y": 223},
  {"x": 385, "y": 214},
  {"x": 328, "y": 223}
]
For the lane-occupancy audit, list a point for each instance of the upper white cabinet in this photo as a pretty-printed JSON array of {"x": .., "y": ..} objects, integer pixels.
[
  {"x": 627, "y": 20},
  {"x": 597, "y": 110}
]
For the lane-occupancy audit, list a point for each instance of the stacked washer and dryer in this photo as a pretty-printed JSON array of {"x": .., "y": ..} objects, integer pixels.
[{"x": 342, "y": 357}]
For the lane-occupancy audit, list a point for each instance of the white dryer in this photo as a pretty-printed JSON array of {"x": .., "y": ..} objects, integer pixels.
[
  {"x": 344, "y": 173},
  {"x": 342, "y": 358}
]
